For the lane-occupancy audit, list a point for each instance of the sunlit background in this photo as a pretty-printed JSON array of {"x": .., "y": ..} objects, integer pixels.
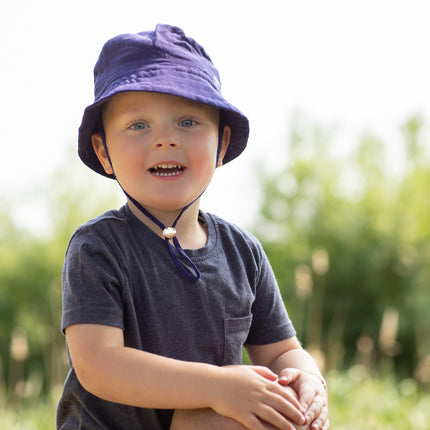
[
  {"x": 334, "y": 182},
  {"x": 351, "y": 65}
]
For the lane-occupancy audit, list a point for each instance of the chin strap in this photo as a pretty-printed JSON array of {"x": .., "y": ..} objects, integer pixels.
[{"x": 169, "y": 233}]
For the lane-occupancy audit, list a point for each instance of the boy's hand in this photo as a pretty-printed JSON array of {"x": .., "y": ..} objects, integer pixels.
[
  {"x": 197, "y": 419},
  {"x": 210, "y": 420},
  {"x": 252, "y": 396},
  {"x": 312, "y": 394}
]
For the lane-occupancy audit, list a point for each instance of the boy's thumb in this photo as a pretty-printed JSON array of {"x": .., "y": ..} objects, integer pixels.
[{"x": 289, "y": 375}]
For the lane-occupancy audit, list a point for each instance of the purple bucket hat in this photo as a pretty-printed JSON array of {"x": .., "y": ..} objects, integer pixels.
[{"x": 164, "y": 61}]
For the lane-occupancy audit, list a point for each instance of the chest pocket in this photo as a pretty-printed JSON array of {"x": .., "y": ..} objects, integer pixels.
[{"x": 235, "y": 334}]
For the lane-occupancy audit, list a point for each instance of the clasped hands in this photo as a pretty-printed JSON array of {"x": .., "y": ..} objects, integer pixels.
[{"x": 261, "y": 404}]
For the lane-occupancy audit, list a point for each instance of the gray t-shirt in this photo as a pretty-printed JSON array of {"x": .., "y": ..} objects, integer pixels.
[{"x": 118, "y": 272}]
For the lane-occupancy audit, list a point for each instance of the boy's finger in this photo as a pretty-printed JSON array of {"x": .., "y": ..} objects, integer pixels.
[
  {"x": 321, "y": 421},
  {"x": 289, "y": 375},
  {"x": 315, "y": 410},
  {"x": 282, "y": 415},
  {"x": 291, "y": 396},
  {"x": 290, "y": 407},
  {"x": 264, "y": 372},
  {"x": 307, "y": 395}
]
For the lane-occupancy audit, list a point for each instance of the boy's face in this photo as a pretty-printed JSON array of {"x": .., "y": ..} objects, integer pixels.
[{"x": 163, "y": 148}]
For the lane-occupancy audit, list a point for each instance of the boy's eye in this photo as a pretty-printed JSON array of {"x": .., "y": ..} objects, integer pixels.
[
  {"x": 187, "y": 123},
  {"x": 138, "y": 125}
]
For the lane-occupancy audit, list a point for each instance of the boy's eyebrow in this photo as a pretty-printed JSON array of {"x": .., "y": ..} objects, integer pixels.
[
  {"x": 145, "y": 108},
  {"x": 134, "y": 109}
]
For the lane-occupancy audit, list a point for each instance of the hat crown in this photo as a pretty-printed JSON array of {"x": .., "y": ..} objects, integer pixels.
[{"x": 134, "y": 56}]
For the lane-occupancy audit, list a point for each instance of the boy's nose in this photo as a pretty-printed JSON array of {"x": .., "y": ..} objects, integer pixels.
[{"x": 165, "y": 140}]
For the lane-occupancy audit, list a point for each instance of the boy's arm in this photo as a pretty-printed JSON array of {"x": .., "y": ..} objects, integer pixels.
[
  {"x": 286, "y": 358},
  {"x": 111, "y": 371}
]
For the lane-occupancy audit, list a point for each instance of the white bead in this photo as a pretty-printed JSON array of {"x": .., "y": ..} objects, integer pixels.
[{"x": 169, "y": 232}]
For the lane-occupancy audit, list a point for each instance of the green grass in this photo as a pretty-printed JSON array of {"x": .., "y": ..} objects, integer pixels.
[
  {"x": 37, "y": 417},
  {"x": 357, "y": 402}
]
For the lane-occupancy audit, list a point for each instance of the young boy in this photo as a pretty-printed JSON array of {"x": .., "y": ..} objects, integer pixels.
[{"x": 158, "y": 296}]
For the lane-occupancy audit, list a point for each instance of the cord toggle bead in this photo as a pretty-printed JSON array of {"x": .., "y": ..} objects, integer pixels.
[{"x": 169, "y": 232}]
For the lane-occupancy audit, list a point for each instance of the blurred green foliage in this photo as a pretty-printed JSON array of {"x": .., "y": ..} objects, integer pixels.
[
  {"x": 358, "y": 402},
  {"x": 349, "y": 241},
  {"x": 33, "y": 359}
]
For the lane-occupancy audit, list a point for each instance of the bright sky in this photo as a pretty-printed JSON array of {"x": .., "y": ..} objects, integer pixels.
[{"x": 356, "y": 64}]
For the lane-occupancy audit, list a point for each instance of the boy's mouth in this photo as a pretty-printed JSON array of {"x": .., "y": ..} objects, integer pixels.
[{"x": 166, "y": 169}]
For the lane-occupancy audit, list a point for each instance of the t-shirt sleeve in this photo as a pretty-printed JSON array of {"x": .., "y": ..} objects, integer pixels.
[
  {"x": 271, "y": 322},
  {"x": 91, "y": 282}
]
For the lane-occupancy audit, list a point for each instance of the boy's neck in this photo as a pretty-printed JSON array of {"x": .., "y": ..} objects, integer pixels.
[{"x": 191, "y": 233}]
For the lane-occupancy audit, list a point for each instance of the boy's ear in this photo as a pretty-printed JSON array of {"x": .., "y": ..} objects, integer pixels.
[
  {"x": 99, "y": 149},
  {"x": 224, "y": 144}
]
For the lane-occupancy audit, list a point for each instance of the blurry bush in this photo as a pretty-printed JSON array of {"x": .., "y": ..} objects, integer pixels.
[
  {"x": 32, "y": 348},
  {"x": 349, "y": 239}
]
